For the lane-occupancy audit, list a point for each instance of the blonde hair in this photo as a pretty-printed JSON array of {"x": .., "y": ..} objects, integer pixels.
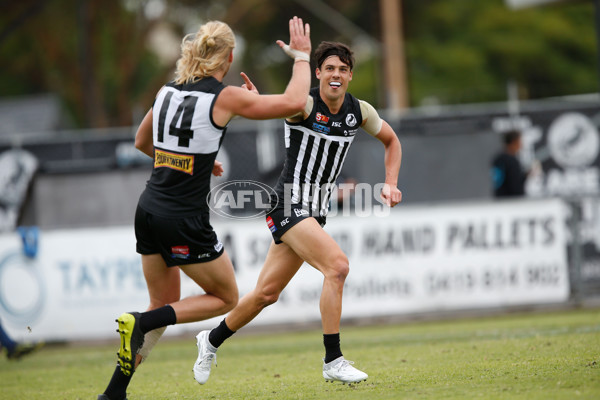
[{"x": 204, "y": 52}]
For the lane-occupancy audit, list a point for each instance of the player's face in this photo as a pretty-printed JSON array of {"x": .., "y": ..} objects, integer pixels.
[{"x": 334, "y": 76}]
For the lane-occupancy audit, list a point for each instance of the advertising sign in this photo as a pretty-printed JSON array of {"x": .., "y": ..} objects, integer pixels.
[{"x": 417, "y": 259}]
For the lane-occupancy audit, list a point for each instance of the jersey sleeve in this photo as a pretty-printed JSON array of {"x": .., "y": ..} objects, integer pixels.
[
  {"x": 307, "y": 110},
  {"x": 309, "y": 105},
  {"x": 372, "y": 120}
]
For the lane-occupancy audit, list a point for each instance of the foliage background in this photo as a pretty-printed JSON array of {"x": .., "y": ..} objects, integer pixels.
[{"x": 106, "y": 59}]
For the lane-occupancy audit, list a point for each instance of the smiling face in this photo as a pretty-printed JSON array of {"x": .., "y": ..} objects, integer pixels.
[{"x": 334, "y": 76}]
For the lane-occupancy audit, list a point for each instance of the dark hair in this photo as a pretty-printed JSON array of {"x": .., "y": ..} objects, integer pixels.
[
  {"x": 510, "y": 136},
  {"x": 328, "y": 49}
]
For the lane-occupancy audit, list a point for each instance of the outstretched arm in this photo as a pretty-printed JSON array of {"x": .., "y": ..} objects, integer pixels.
[{"x": 249, "y": 104}]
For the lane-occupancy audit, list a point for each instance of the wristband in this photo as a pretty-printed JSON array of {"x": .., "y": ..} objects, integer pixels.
[{"x": 297, "y": 55}]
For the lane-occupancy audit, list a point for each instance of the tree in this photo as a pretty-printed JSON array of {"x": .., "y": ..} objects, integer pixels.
[
  {"x": 97, "y": 55},
  {"x": 465, "y": 51},
  {"x": 92, "y": 53}
]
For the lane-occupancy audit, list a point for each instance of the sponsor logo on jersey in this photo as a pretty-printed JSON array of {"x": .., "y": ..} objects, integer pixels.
[
  {"x": 322, "y": 118},
  {"x": 179, "y": 162},
  {"x": 271, "y": 224},
  {"x": 320, "y": 128},
  {"x": 351, "y": 120},
  {"x": 300, "y": 212},
  {"x": 182, "y": 252}
]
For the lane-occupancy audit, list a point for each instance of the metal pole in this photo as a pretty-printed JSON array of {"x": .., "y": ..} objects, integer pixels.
[
  {"x": 576, "y": 251},
  {"x": 393, "y": 54}
]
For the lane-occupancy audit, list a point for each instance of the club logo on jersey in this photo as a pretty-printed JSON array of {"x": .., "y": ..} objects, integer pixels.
[
  {"x": 179, "y": 162},
  {"x": 271, "y": 224},
  {"x": 182, "y": 252},
  {"x": 350, "y": 120},
  {"x": 322, "y": 118}
]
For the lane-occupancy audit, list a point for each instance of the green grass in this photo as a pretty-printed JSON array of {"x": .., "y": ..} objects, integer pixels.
[{"x": 527, "y": 356}]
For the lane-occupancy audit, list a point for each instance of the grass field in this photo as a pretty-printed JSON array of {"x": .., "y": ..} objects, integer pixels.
[{"x": 527, "y": 356}]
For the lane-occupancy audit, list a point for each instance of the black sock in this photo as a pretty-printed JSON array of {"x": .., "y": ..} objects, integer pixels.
[
  {"x": 117, "y": 387},
  {"x": 332, "y": 346},
  {"x": 218, "y": 335},
  {"x": 158, "y": 318}
]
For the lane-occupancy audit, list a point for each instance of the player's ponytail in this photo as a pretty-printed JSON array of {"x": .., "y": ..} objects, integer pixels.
[{"x": 205, "y": 52}]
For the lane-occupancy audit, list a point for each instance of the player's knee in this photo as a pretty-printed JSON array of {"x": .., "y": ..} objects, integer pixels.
[
  {"x": 339, "y": 267},
  {"x": 231, "y": 301},
  {"x": 267, "y": 297}
]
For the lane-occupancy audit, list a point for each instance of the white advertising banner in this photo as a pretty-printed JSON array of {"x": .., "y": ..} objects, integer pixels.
[{"x": 417, "y": 259}]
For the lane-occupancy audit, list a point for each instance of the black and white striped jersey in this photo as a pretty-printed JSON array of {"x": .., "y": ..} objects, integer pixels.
[
  {"x": 315, "y": 152},
  {"x": 186, "y": 142}
]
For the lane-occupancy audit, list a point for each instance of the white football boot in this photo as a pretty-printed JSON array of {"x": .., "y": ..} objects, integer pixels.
[
  {"x": 206, "y": 357},
  {"x": 342, "y": 370}
]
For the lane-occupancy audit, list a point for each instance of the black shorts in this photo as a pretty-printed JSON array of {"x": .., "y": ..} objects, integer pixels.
[
  {"x": 180, "y": 241},
  {"x": 280, "y": 220}
]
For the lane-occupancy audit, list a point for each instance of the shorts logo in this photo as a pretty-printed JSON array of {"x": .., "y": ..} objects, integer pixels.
[
  {"x": 204, "y": 255},
  {"x": 179, "y": 162},
  {"x": 271, "y": 224},
  {"x": 322, "y": 118},
  {"x": 182, "y": 252},
  {"x": 284, "y": 222},
  {"x": 350, "y": 120},
  {"x": 300, "y": 212},
  {"x": 218, "y": 246}
]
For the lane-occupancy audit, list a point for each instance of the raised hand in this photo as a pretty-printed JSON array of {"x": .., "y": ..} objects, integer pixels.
[
  {"x": 299, "y": 47},
  {"x": 248, "y": 85}
]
